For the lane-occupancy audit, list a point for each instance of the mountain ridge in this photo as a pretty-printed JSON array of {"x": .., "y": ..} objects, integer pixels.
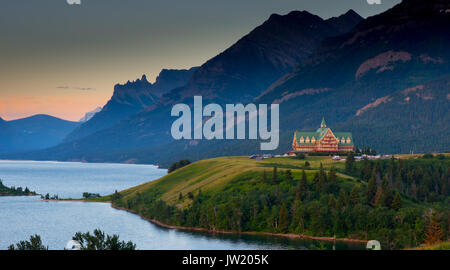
[
  {"x": 34, "y": 132},
  {"x": 401, "y": 48}
]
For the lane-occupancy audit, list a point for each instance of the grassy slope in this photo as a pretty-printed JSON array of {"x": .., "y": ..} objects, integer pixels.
[
  {"x": 440, "y": 246},
  {"x": 215, "y": 174}
]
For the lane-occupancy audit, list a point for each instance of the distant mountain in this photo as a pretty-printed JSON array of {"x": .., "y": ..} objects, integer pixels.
[
  {"x": 90, "y": 114},
  {"x": 130, "y": 98},
  {"x": 32, "y": 133},
  {"x": 239, "y": 74},
  {"x": 127, "y": 99}
]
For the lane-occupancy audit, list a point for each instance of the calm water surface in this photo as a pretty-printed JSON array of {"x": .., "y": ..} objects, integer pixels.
[{"x": 57, "y": 222}]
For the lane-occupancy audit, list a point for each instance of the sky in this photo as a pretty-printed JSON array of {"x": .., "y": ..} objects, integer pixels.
[{"x": 64, "y": 60}]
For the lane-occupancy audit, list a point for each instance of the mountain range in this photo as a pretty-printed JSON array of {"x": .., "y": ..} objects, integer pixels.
[
  {"x": 32, "y": 133},
  {"x": 350, "y": 70},
  {"x": 130, "y": 98}
]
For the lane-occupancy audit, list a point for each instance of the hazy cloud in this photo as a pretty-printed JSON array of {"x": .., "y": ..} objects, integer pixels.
[{"x": 76, "y": 88}]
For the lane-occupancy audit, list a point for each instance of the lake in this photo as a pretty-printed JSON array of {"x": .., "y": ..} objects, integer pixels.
[{"x": 57, "y": 222}]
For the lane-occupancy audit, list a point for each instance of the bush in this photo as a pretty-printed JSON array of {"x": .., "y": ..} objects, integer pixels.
[
  {"x": 100, "y": 241},
  {"x": 35, "y": 243},
  {"x": 177, "y": 165},
  {"x": 299, "y": 155},
  {"x": 88, "y": 195}
]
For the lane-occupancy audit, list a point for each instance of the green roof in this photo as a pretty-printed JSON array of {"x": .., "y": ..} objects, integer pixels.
[{"x": 319, "y": 134}]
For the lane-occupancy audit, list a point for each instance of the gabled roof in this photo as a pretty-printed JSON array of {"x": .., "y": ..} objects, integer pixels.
[{"x": 319, "y": 133}]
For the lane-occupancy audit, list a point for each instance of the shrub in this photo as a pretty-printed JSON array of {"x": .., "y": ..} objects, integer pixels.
[{"x": 177, "y": 165}]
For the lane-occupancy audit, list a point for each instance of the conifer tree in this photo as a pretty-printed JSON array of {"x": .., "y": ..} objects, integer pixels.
[
  {"x": 342, "y": 200},
  {"x": 371, "y": 190},
  {"x": 349, "y": 162},
  {"x": 275, "y": 176},
  {"x": 387, "y": 196},
  {"x": 332, "y": 180},
  {"x": 283, "y": 219},
  {"x": 397, "y": 202},
  {"x": 302, "y": 186},
  {"x": 332, "y": 202},
  {"x": 433, "y": 232},
  {"x": 355, "y": 198}
]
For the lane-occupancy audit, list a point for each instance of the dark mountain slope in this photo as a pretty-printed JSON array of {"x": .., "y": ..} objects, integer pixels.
[
  {"x": 31, "y": 133},
  {"x": 237, "y": 75},
  {"x": 130, "y": 98},
  {"x": 401, "y": 48},
  {"x": 404, "y": 41},
  {"x": 169, "y": 79},
  {"x": 419, "y": 115},
  {"x": 248, "y": 67}
]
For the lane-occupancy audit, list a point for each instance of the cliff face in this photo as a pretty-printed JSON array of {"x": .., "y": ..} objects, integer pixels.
[
  {"x": 127, "y": 99},
  {"x": 169, "y": 79},
  {"x": 130, "y": 98}
]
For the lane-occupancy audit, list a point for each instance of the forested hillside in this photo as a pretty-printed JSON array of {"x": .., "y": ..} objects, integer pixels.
[{"x": 397, "y": 201}]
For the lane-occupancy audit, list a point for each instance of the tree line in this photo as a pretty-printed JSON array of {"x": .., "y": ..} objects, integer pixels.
[{"x": 393, "y": 201}]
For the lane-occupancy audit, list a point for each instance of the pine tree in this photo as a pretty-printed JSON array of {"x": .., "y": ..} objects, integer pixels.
[
  {"x": 366, "y": 169},
  {"x": 355, "y": 198},
  {"x": 398, "y": 184},
  {"x": 433, "y": 232},
  {"x": 275, "y": 176},
  {"x": 302, "y": 186},
  {"x": 331, "y": 202},
  {"x": 371, "y": 190},
  {"x": 322, "y": 180},
  {"x": 397, "y": 203},
  {"x": 387, "y": 196},
  {"x": 349, "y": 162},
  {"x": 283, "y": 219},
  {"x": 342, "y": 200},
  {"x": 332, "y": 180}
]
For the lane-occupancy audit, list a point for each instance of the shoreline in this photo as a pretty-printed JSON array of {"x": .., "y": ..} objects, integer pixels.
[{"x": 209, "y": 231}]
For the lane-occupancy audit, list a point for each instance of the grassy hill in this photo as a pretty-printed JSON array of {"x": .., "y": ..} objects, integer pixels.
[
  {"x": 214, "y": 174},
  {"x": 393, "y": 201}
]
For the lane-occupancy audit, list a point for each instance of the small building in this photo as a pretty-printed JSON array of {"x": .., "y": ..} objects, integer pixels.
[{"x": 323, "y": 140}]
